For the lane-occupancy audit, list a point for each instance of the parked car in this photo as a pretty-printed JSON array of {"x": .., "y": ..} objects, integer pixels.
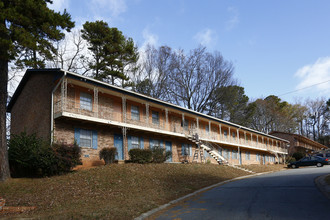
[
  {"x": 309, "y": 161},
  {"x": 325, "y": 155}
]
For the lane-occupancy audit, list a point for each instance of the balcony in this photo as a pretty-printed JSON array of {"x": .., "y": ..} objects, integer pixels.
[{"x": 105, "y": 112}]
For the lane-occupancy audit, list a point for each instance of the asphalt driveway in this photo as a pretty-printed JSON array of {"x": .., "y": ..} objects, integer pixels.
[{"x": 289, "y": 194}]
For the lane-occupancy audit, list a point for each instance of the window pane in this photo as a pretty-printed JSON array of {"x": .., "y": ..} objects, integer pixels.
[
  {"x": 135, "y": 142},
  {"x": 85, "y": 138},
  {"x": 85, "y": 101},
  {"x": 155, "y": 117},
  {"x": 135, "y": 113}
]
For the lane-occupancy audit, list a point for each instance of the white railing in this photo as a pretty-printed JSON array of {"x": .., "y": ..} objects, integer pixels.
[{"x": 106, "y": 112}]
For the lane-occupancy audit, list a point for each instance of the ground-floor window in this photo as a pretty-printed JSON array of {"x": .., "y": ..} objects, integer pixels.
[
  {"x": 186, "y": 150},
  {"x": 247, "y": 155},
  {"x": 258, "y": 157},
  {"x": 234, "y": 154},
  {"x": 86, "y": 138}
]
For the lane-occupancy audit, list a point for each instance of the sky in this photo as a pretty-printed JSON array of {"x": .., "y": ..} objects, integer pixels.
[{"x": 277, "y": 47}]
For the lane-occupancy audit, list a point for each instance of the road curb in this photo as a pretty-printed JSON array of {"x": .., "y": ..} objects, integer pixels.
[
  {"x": 322, "y": 185},
  {"x": 155, "y": 210}
]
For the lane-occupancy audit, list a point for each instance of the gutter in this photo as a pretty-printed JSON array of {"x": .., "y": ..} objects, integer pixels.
[{"x": 52, "y": 109}]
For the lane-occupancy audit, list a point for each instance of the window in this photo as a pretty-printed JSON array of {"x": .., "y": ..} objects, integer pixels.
[
  {"x": 154, "y": 143},
  {"x": 207, "y": 128},
  {"x": 258, "y": 157},
  {"x": 135, "y": 142},
  {"x": 85, "y": 138},
  {"x": 246, "y": 139},
  {"x": 184, "y": 124},
  {"x": 225, "y": 134},
  {"x": 247, "y": 155},
  {"x": 234, "y": 154},
  {"x": 86, "y": 101},
  {"x": 135, "y": 113},
  {"x": 155, "y": 117},
  {"x": 233, "y": 134},
  {"x": 186, "y": 149}
]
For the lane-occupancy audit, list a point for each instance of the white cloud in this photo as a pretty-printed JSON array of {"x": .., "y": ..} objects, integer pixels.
[
  {"x": 317, "y": 73},
  {"x": 149, "y": 38},
  {"x": 234, "y": 18},
  {"x": 116, "y": 7},
  {"x": 206, "y": 37},
  {"x": 59, "y": 5}
]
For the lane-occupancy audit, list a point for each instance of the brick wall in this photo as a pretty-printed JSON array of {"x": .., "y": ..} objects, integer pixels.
[{"x": 32, "y": 108}]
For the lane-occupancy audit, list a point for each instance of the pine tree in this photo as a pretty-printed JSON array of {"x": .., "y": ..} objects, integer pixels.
[
  {"x": 28, "y": 29},
  {"x": 112, "y": 51}
]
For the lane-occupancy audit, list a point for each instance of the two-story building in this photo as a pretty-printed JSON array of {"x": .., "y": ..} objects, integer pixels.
[
  {"x": 63, "y": 106},
  {"x": 300, "y": 143}
]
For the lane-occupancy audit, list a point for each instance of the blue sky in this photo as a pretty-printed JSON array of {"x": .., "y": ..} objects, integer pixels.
[{"x": 276, "y": 46}]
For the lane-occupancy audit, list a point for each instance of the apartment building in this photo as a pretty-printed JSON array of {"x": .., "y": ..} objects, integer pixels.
[
  {"x": 300, "y": 143},
  {"x": 65, "y": 107}
]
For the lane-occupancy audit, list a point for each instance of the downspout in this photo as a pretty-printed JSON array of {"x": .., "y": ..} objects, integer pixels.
[
  {"x": 52, "y": 110},
  {"x": 239, "y": 149}
]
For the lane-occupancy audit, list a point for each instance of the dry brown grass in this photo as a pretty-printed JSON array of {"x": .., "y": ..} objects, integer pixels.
[
  {"x": 265, "y": 168},
  {"x": 118, "y": 191}
]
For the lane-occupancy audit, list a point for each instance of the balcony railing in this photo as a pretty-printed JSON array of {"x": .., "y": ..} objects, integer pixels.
[{"x": 106, "y": 112}]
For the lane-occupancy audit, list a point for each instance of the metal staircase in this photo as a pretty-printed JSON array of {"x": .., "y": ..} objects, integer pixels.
[{"x": 212, "y": 150}]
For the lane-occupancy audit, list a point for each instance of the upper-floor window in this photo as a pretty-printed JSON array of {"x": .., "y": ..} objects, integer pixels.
[
  {"x": 225, "y": 134},
  {"x": 246, "y": 139},
  {"x": 207, "y": 128},
  {"x": 155, "y": 117},
  {"x": 86, "y": 101},
  {"x": 184, "y": 124},
  {"x": 135, "y": 113},
  {"x": 266, "y": 143},
  {"x": 233, "y": 134}
]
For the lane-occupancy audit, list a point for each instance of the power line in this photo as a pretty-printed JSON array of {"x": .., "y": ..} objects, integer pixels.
[{"x": 304, "y": 88}]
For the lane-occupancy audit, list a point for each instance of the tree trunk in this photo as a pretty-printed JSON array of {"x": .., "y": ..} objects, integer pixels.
[{"x": 4, "y": 164}]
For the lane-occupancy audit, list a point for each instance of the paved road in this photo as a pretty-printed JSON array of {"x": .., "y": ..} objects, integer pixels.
[{"x": 289, "y": 194}]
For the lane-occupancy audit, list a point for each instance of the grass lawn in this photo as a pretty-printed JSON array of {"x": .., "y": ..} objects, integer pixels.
[{"x": 118, "y": 191}]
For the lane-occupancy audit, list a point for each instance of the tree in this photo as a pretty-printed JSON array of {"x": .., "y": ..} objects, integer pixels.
[
  {"x": 230, "y": 103},
  {"x": 28, "y": 29},
  {"x": 152, "y": 79},
  {"x": 112, "y": 52},
  {"x": 195, "y": 77}
]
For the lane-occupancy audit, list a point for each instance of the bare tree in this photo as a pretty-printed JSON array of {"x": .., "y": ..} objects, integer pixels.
[
  {"x": 194, "y": 78},
  {"x": 72, "y": 54},
  {"x": 152, "y": 76}
]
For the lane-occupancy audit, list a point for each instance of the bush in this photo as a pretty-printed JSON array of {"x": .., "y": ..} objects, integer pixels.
[
  {"x": 108, "y": 154},
  {"x": 68, "y": 156},
  {"x": 140, "y": 155},
  {"x": 30, "y": 156},
  {"x": 159, "y": 155},
  {"x": 298, "y": 155},
  {"x": 290, "y": 159}
]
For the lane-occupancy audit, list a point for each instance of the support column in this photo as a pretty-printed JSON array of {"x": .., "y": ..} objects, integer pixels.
[
  {"x": 257, "y": 143},
  {"x": 166, "y": 119},
  {"x": 197, "y": 126},
  {"x": 245, "y": 140},
  {"x": 251, "y": 139},
  {"x": 220, "y": 132},
  {"x": 210, "y": 130},
  {"x": 147, "y": 113},
  {"x": 229, "y": 134},
  {"x": 237, "y": 136},
  {"x": 124, "y": 108},
  {"x": 239, "y": 156},
  {"x": 125, "y": 149},
  {"x": 263, "y": 143},
  {"x": 64, "y": 93},
  {"x": 182, "y": 122},
  {"x": 96, "y": 102}
]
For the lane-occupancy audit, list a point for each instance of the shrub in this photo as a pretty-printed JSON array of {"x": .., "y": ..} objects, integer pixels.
[
  {"x": 30, "y": 156},
  {"x": 68, "y": 156},
  {"x": 140, "y": 155},
  {"x": 290, "y": 159},
  {"x": 298, "y": 155},
  {"x": 159, "y": 155},
  {"x": 108, "y": 154}
]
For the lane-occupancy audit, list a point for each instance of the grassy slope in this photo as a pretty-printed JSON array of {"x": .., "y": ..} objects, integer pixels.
[{"x": 111, "y": 192}]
